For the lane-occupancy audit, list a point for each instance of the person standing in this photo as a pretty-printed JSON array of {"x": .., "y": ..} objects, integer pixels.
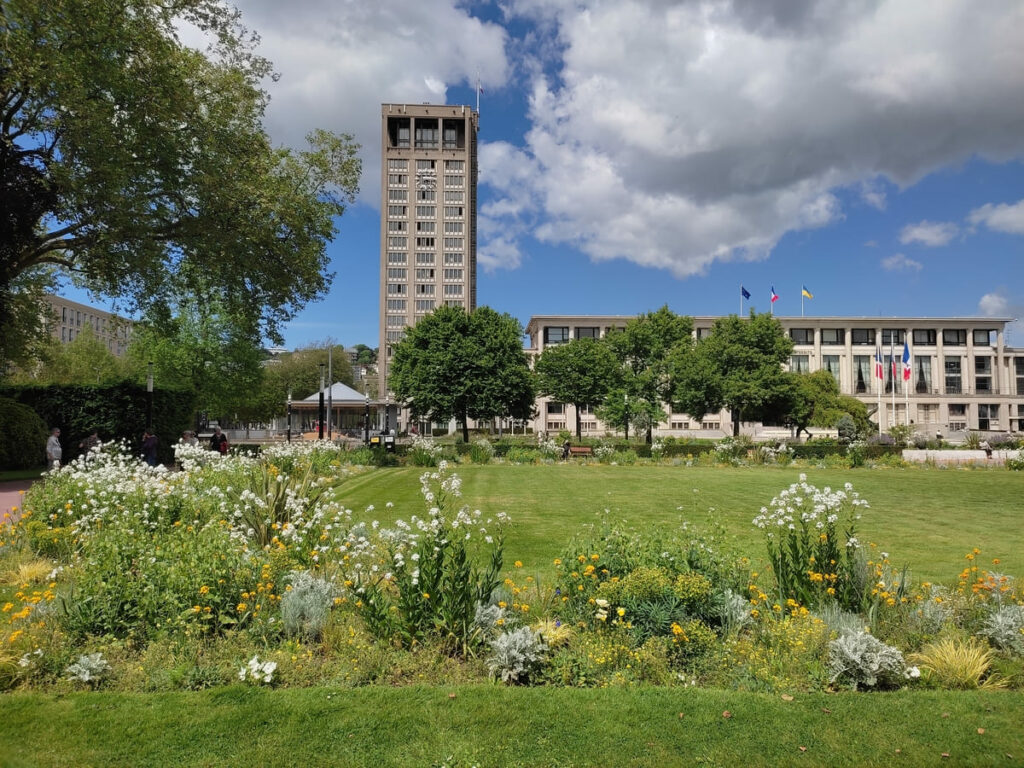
[
  {"x": 219, "y": 441},
  {"x": 149, "y": 444},
  {"x": 53, "y": 449}
]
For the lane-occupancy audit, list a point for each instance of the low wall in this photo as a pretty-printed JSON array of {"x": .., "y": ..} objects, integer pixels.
[{"x": 960, "y": 456}]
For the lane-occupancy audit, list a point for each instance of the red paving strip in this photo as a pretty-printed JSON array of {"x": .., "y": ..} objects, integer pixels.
[{"x": 10, "y": 499}]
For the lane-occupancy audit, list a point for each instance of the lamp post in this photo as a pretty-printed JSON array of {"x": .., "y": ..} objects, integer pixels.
[
  {"x": 289, "y": 414},
  {"x": 320, "y": 415},
  {"x": 366, "y": 422},
  {"x": 149, "y": 395}
]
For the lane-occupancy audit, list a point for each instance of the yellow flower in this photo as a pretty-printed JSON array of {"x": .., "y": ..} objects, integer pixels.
[
  {"x": 241, "y": 607},
  {"x": 426, "y": 595},
  {"x": 558, "y": 561},
  {"x": 8, "y": 607},
  {"x": 621, "y": 612},
  {"x": 518, "y": 563},
  {"x": 204, "y": 590},
  {"x": 502, "y": 604},
  {"x": 595, "y": 558}
]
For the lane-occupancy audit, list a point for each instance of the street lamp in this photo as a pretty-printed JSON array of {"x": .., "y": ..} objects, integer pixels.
[
  {"x": 289, "y": 414},
  {"x": 366, "y": 422},
  {"x": 320, "y": 415},
  {"x": 149, "y": 395}
]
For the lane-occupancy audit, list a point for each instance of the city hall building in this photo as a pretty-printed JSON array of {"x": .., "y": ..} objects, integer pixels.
[{"x": 963, "y": 376}]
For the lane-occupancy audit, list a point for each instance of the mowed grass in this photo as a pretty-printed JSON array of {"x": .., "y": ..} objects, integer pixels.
[
  {"x": 498, "y": 726},
  {"x": 925, "y": 518}
]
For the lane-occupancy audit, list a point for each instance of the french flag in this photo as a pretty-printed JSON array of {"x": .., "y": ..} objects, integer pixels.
[
  {"x": 775, "y": 296},
  {"x": 906, "y": 362},
  {"x": 879, "y": 371}
]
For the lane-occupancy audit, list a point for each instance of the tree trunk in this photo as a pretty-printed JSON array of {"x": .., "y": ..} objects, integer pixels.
[
  {"x": 736, "y": 422},
  {"x": 650, "y": 434},
  {"x": 579, "y": 428},
  {"x": 465, "y": 428}
]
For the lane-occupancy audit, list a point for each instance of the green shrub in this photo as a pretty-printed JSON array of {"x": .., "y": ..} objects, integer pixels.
[
  {"x": 694, "y": 589},
  {"x": 22, "y": 438},
  {"x": 690, "y": 641}
]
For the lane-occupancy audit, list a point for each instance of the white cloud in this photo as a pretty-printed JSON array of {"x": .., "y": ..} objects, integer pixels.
[
  {"x": 900, "y": 263},
  {"x": 339, "y": 61},
  {"x": 930, "y": 233},
  {"x": 678, "y": 134},
  {"x": 1003, "y": 217},
  {"x": 994, "y": 305}
]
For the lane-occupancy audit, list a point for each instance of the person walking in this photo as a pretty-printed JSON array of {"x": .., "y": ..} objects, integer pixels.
[
  {"x": 53, "y": 450},
  {"x": 149, "y": 445}
]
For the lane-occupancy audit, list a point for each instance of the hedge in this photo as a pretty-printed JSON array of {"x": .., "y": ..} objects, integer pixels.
[
  {"x": 22, "y": 437},
  {"x": 117, "y": 411}
]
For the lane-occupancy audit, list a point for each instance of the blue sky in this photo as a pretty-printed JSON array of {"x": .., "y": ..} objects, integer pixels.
[{"x": 636, "y": 153}]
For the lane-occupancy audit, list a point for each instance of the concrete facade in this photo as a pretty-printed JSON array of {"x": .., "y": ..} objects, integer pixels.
[
  {"x": 65, "y": 320},
  {"x": 963, "y": 376},
  {"x": 428, "y": 216}
]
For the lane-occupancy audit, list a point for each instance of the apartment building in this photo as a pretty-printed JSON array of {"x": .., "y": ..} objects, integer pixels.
[
  {"x": 428, "y": 216},
  {"x": 963, "y": 375},
  {"x": 65, "y": 319}
]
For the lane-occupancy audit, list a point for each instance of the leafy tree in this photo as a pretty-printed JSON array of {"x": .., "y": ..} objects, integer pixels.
[
  {"x": 299, "y": 372},
  {"x": 85, "y": 360},
  {"x": 455, "y": 365},
  {"x": 737, "y": 366},
  {"x": 817, "y": 402},
  {"x": 643, "y": 348},
  {"x": 365, "y": 355},
  {"x": 140, "y": 165},
  {"x": 581, "y": 372}
]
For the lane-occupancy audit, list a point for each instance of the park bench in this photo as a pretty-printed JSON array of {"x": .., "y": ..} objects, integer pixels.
[{"x": 581, "y": 450}]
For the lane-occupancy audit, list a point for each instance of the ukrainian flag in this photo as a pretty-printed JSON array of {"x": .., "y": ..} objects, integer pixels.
[{"x": 807, "y": 293}]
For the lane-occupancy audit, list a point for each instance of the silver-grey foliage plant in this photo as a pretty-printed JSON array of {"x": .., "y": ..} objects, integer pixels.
[
  {"x": 1005, "y": 629},
  {"x": 89, "y": 668},
  {"x": 862, "y": 660},
  {"x": 305, "y": 607},
  {"x": 515, "y": 654}
]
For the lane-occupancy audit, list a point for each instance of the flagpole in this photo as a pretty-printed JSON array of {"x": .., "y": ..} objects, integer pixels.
[
  {"x": 906, "y": 389},
  {"x": 892, "y": 371},
  {"x": 878, "y": 386},
  {"x": 741, "y": 301},
  {"x": 801, "y": 301}
]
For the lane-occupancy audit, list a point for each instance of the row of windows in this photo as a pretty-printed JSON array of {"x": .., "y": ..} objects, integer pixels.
[
  {"x": 402, "y": 180},
  {"x": 426, "y": 259},
  {"x": 559, "y": 334},
  {"x": 953, "y": 337}
]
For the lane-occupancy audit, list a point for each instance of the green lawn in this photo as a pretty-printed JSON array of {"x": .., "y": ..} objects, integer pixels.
[
  {"x": 925, "y": 518},
  {"x": 496, "y": 726}
]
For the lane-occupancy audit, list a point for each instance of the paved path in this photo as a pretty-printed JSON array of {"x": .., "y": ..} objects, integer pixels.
[{"x": 10, "y": 497}]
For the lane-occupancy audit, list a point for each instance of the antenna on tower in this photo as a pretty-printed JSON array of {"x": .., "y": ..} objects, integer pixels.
[{"x": 479, "y": 90}]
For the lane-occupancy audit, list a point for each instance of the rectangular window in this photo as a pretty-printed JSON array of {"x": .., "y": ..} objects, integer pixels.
[
  {"x": 862, "y": 374},
  {"x": 394, "y": 335},
  {"x": 397, "y": 273},
  {"x": 426, "y": 195},
  {"x": 802, "y": 335},
  {"x": 395, "y": 257},
  {"x": 424, "y": 290},
  {"x": 398, "y": 242},
  {"x": 982, "y": 375},
  {"x": 398, "y": 289},
  {"x": 398, "y": 210},
  {"x": 555, "y": 408},
  {"x": 398, "y": 195},
  {"x": 954, "y": 383},
  {"x": 988, "y": 416},
  {"x": 556, "y": 334},
  {"x": 424, "y": 242},
  {"x": 398, "y": 179},
  {"x": 924, "y": 336},
  {"x": 453, "y": 212},
  {"x": 454, "y": 243},
  {"x": 928, "y": 413},
  {"x": 63, "y": 334},
  {"x": 893, "y": 336},
  {"x": 426, "y": 226},
  {"x": 983, "y": 338},
  {"x": 426, "y": 134},
  {"x": 588, "y": 332},
  {"x": 398, "y": 226},
  {"x": 679, "y": 425},
  {"x": 424, "y": 258},
  {"x": 451, "y": 135},
  {"x": 833, "y": 336},
  {"x": 426, "y": 165},
  {"x": 424, "y": 274},
  {"x": 453, "y": 227},
  {"x": 455, "y": 165},
  {"x": 396, "y": 321},
  {"x": 396, "y": 305},
  {"x": 454, "y": 303},
  {"x": 1018, "y": 369},
  {"x": 862, "y": 336},
  {"x": 454, "y": 289},
  {"x": 555, "y": 426},
  {"x": 799, "y": 363},
  {"x": 830, "y": 363},
  {"x": 453, "y": 181},
  {"x": 923, "y": 375},
  {"x": 454, "y": 197},
  {"x": 426, "y": 211},
  {"x": 453, "y": 258},
  {"x": 398, "y": 165},
  {"x": 424, "y": 305},
  {"x": 63, "y": 314},
  {"x": 709, "y": 425},
  {"x": 954, "y": 337},
  {"x": 453, "y": 274}
]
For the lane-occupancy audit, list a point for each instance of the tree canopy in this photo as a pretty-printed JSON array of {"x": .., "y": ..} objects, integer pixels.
[
  {"x": 643, "y": 348},
  {"x": 457, "y": 365},
  {"x": 140, "y": 166},
  {"x": 737, "y": 366},
  {"x": 581, "y": 372},
  {"x": 817, "y": 402}
]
